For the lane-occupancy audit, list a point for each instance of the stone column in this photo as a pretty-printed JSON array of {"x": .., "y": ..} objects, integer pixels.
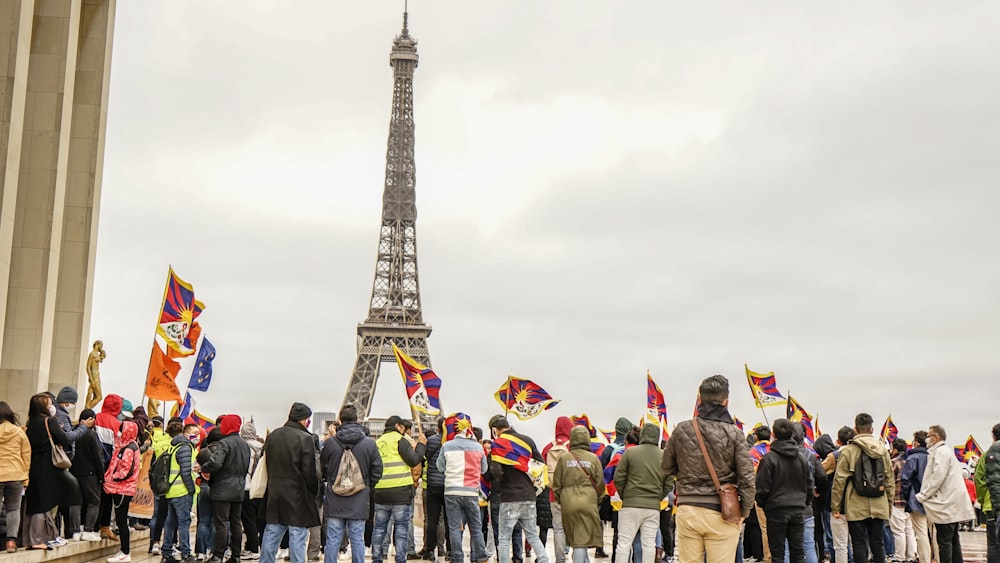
[{"x": 53, "y": 219}]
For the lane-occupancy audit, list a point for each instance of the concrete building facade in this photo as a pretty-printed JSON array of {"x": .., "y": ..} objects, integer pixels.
[{"x": 55, "y": 63}]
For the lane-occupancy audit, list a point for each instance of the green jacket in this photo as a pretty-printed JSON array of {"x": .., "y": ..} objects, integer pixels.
[
  {"x": 990, "y": 462},
  {"x": 856, "y": 506},
  {"x": 639, "y": 479},
  {"x": 578, "y": 485}
]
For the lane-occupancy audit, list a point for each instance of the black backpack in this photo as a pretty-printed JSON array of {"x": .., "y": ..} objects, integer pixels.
[
  {"x": 159, "y": 474},
  {"x": 869, "y": 476}
]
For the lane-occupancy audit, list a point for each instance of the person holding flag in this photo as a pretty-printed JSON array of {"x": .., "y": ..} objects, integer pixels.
[
  {"x": 509, "y": 462},
  {"x": 394, "y": 491}
]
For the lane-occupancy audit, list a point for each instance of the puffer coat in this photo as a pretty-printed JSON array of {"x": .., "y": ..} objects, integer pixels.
[{"x": 578, "y": 485}]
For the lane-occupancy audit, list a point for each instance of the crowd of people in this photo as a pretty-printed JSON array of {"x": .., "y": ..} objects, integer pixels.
[{"x": 709, "y": 493}]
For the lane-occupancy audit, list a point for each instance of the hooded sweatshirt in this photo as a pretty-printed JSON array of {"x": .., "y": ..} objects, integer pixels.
[
  {"x": 857, "y": 507},
  {"x": 122, "y": 474},
  {"x": 622, "y": 428},
  {"x": 639, "y": 480},
  {"x": 107, "y": 424},
  {"x": 15, "y": 453},
  {"x": 783, "y": 478},
  {"x": 228, "y": 462},
  {"x": 249, "y": 434},
  {"x": 557, "y": 448}
]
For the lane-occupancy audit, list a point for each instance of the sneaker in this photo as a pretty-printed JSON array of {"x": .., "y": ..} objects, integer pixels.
[
  {"x": 140, "y": 527},
  {"x": 199, "y": 556},
  {"x": 169, "y": 559},
  {"x": 77, "y": 536},
  {"x": 58, "y": 542},
  {"x": 282, "y": 554},
  {"x": 120, "y": 558},
  {"x": 90, "y": 536},
  {"x": 155, "y": 548},
  {"x": 249, "y": 555},
  {"x": 600, "y": 554}
]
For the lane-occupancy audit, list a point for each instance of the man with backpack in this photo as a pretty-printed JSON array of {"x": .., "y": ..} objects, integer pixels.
[
  {"x": 352, "y": 466},
  {"x": 864, "y": 481},
  {"x": 171, "y": 477}
]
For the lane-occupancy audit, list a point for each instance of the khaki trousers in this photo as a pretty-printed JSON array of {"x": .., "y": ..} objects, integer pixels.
[
  {"x": 762, "y": 521},
  {"x": 704, "y": 537},
  {"x": 926, "y": 535}
]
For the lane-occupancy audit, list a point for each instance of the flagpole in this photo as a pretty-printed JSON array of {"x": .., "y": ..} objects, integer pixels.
[
  {"x": 159, "y": 313},
  {"x": 506, "y": 404}
]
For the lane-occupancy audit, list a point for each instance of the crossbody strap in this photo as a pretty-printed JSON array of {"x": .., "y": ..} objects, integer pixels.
[
  {"x": 585, "y": 472},
  {"x": 704, "y": 452}
]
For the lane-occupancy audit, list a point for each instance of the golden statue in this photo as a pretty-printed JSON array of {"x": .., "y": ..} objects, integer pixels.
[
  {"x": 153, "y": 407},
  {"x": 97, "y": 356}
]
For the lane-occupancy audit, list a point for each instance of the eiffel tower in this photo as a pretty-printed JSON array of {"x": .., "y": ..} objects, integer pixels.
[{"x": 394, "y": 314}]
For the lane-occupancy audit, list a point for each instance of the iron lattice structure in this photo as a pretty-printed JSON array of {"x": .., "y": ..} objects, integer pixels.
[{"x": 394, "y": 314}]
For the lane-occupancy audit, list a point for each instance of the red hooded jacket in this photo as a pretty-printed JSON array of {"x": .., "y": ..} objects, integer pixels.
[{"x": 122, "y": 474}]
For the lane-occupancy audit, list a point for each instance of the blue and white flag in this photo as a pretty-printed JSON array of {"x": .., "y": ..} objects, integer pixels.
[
  {"x": 188, "y": 407},
  {"x": 201, "y": 377}
]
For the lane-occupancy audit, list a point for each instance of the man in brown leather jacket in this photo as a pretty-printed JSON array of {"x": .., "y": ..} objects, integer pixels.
[{"x": 701, "y": 531}]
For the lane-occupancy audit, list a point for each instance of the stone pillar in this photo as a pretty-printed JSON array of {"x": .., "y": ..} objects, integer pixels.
[{"x": 53, "y": 218}]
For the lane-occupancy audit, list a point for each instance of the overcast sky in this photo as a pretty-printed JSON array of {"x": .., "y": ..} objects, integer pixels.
[{"x": 603, "y": 188}]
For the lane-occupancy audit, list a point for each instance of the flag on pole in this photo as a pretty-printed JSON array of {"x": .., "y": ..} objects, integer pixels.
[
  {"x": 889, "y": 430},
  {"x": 609, "y": 435},
  {"x": 656, "y": 407},
  {"x": 764, "y": 389},
  {"x": 423, "y": 386},
  {"x": 188, "y": 407},
  {"x": 969, "y": 452},
  {"x": 796, "y": 413},
  {"x": 738, "y": 423},
  {"x": 201, "y": 377},
  {"x": 583, "y": 420},
  {"x": 178, "y": 312},
  {"x": 160, "y": 379},
  {"x": 525, "y": 398}
]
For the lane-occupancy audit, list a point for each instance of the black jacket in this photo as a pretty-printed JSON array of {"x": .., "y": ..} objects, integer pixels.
[
  {"x": 228, "y": 466},
  {"x": 510, "y": 484},
  {"x": 352, "y": 435},
  {"x": 435, "y": 478},
  {"x": 88, "y": 459},
  {"x": 783, "y": 478},
  {"x": 293, "y": 477}
]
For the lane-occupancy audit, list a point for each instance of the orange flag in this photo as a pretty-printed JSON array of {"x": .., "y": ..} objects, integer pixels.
[{"x": 163, "y": 371}]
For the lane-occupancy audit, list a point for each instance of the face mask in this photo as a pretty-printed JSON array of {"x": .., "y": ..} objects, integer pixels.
[
  {"x": 52, "y": 410},
  {"x": 194, "y": 439}
]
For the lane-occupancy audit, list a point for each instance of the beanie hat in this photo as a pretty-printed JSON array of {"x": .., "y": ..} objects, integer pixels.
[
  {"x": 299, "y": 411},
  {"x": 67, "y": 395},
  {"x": 87, "y": 414}
]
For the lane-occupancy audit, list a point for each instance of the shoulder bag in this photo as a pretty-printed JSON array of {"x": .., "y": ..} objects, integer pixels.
[
  {"x": 729, "y": 498},
  {"x": 60, "y": 460}
]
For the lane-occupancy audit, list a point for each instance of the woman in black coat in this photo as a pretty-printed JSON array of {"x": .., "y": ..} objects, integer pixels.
[{"x": 44, "y": 482}]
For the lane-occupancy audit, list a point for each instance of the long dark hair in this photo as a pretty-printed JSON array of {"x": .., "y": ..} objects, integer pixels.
[
  {"x": 7, "y": 414},
  {"x": 39, "y": 404}
]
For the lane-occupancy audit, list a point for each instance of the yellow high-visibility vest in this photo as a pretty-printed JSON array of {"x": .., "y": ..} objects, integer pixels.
[{"x": 395, "y": 471}]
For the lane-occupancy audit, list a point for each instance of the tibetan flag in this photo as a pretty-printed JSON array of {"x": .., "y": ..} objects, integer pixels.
[
  {"x": 583, "y": 420},
  {"x": 201, "y": 420},
  {"x": 889, "y": 430},
  {"x": 764, "y": 389},
  {"x": 970, "y": 452},
  {"x": 609, "y": 435},
  {"x": 160, "y": 378},
  {"x": 201, "y": 377},
  {"x": 423, "y": 386},
  {"x": 524, "y": 398},
  {"x": 738, "y": 423},
  {"x": 796, "y": 413},
  {"x": 458, "y": 424},
  {"x": 656, "y": 405},
  {"x": 757, "y": 451},
  {"x": 512, "y": 451},
  {"x": 177, "y": 316}
]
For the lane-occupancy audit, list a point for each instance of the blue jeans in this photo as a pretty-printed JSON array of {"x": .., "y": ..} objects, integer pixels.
[
  {"x": 516, "y": 537},
  {"x": 400, "y": 515},
  {"x": 205, "y": 536},
  {"x": 808, "y": 541},
  {"x": 334, "y": 534},
  {"x": 580, "y": 555},
  {"x": 297, "y": 537},
  {"x": 461, "y": 511},
  {"x": 178, "y": 520},
  {"x": 522, "y": 513}
]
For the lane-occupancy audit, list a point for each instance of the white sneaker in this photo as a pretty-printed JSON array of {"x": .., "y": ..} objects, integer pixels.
[
  {"x": 155, "y": 550},
  {"x": 120, "y": 558},
  {"x": 77, "y": 536},
  {"x": 282, "y": 554},
  {"x": 90, "y": 536},
  {"x": 58, "y": 542}
]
